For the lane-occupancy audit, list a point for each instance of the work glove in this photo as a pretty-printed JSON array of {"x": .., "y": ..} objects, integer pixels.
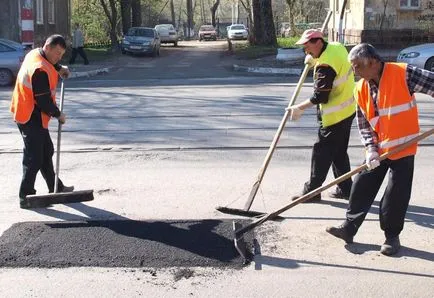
[
  {"x": 372, "y": 159},
  {"x": 296, "y": 112},
  {"x": 62, "y": 118},
  {"x": 64, "y": 72},
  {"x": 309, "y": 60}
]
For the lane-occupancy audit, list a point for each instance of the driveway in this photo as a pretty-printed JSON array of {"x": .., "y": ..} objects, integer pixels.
[{"x": 190, "y": 59}]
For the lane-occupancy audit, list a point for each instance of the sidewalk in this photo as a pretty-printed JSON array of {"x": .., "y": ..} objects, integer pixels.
[
  {"x": 270, "y": 65},
  {"x": 81, "y": 70}
]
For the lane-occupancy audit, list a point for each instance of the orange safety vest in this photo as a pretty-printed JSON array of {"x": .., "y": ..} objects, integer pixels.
[
  {"x": 397, "y": 121},
  {"x": 23, "y": 101}
]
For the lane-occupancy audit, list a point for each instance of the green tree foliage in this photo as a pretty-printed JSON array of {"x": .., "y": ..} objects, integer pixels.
[{"x": 90, "y": 15}]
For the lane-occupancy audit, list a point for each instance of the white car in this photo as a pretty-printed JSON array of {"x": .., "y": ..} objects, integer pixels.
[
  {"x": 167, "y": 33},
  {"x": 421, "y": 56},
  {"x": 237, "y": 31}
]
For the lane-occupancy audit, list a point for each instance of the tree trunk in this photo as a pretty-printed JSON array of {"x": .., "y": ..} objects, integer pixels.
[
  {"x": 257, "y": 28},
  {"x": 213, "y": 10},
  {"x": 112, "y": 15},
  {"x": 248, "y": 8},
  {"x": 269, "y": 31},
  {"x": 189, "y": 18},
  {"x": 126, "y": 15},
  {"x": 172, "y": 13},
  {"x": 136, "y": 9}
]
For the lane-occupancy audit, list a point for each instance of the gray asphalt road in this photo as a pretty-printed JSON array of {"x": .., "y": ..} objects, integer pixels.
[{"x": 125, "y": 138}]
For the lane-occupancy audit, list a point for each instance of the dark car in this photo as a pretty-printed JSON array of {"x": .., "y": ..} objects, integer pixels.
[
  {"x": 11, "y": 56},
  {"x": 141, "y": 40},
  {"x": 207, "y": 32}
]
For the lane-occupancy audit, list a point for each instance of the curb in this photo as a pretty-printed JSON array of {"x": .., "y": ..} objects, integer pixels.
[
  {"x": 268, "y": 70},
  {"x": 81, "y": 74}
]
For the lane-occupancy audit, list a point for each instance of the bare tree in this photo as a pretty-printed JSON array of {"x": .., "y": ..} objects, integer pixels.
[
  {"x": 247, "y": 4},
  {"x": 111, "y": 12},
  {"x": 292, "y": 4},
  {"x": 213, "y": 10},
  {"x": 172, "y": 13}
]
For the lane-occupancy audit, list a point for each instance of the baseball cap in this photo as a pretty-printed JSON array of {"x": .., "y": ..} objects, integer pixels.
[{"x": 308, "y": 35}]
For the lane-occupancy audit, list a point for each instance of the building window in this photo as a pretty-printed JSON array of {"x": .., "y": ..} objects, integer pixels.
[
  {"x": 409, "y": 3},
  {"x": 40, "y": 12},
  {"x": 51, "y": 10}
]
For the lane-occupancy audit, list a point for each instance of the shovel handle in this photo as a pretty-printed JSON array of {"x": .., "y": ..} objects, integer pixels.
[
  {"x": 309, "y": 195},
  {"x": 59, "y": 133}
]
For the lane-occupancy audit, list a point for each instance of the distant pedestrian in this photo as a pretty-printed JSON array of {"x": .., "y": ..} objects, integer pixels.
[
  {"x": 387, "y": 116},
  {"x": 78, "y": 45}
]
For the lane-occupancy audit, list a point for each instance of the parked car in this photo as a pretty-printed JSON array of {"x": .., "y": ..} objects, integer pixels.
[
  {"x": 237, "y": 31},
  {"x": 11, "y": 56},
  {"x": 167, "y": 33},
  {"x": 141, "y": 40},
  {"x": 421, "y": 56},
  {"x": 207, "y": 32}
]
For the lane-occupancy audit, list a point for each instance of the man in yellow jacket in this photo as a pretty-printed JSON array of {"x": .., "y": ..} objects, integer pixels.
[
  {"x": 387, "y": 116},
  {"x": 333, "y": 97},
  {"x": 33, "y": 105}
]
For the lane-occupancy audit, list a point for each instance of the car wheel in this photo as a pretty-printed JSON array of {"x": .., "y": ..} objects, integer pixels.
[
  {"x": 6, "y": 77},
  {"x": 429, "y": 65}
]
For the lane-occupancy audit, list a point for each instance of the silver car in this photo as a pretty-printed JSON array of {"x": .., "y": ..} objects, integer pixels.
[
  {"x": 167, "y": 34},
  {"x": 11, "y": 56},
  {"x": 237, "y": 31},
  {"x": 421, "y": 56},
  {"x": 141, "y": 40}
]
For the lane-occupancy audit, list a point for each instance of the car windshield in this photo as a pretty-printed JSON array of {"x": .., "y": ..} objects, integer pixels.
[
  {"x": 146, "y": 32},
  {"x": 237, "y": 27},
  {"x": 11, "y": 43},
  {"x": 165, "y": 26},
  {"x": 206, "y": 28}
]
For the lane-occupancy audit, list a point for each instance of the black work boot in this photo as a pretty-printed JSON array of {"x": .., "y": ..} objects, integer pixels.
[
  {"x": 341, "y": 232},
  {"x": 306, "y": 189},
  {"x": 24, "y": 204},
  {"x": 315, "y": 199},
  {"x": 66, "y": 188},
  {"x": 339, "y": 194},
  {"x": 391, "y": 246}
]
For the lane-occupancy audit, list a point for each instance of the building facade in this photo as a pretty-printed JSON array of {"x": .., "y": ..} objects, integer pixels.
[
  {"x": 32, "y": 21},
  {"x": 393, "y": 23}
]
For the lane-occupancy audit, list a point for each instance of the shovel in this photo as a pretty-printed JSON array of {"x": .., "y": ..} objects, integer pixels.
[{"x": 239, "y": 231}]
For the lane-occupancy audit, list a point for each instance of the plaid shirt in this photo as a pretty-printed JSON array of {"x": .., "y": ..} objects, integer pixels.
[{"x": 418, "y": 80}]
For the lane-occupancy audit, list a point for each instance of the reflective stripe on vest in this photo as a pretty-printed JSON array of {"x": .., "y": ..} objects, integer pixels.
[
  {"x": 341, "y": 103},
  {"x": 339, "y": 107},
  {"x": 396, "y": 142},
  {"x": 397, "y": 109},
  {"x": 343, "y": 79}
]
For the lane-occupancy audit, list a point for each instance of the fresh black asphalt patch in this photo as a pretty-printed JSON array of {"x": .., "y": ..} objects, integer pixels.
[{"x": 122, "y": 243}]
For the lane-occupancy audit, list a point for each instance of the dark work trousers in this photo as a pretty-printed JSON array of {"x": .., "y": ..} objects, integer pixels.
[
  {"x": 330, "y": 149},
  {"x": 79, "y": 50},
  {"x": 38, "y": 152},
  {"x": 395, "y": 200}
]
